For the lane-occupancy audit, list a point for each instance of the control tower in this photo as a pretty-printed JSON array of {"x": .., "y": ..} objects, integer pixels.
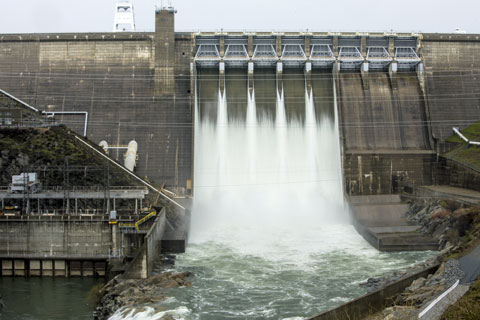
[{"x": 124, "y": 17}]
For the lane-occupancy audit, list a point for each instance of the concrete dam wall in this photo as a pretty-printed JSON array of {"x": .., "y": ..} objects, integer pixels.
[
  {"x": 121, "y": 83},
  {"x": 398, "y": 95}
]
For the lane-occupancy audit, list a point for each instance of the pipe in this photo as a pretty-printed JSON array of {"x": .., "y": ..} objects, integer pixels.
[
  {"x": 131, "y": 173},
  {"x": 460, "y": 135},
  {"x": 434, "y": 302},
  {"x": 19, "y": 101},
  {"x": 131, "y": 155},
  {"x": 474, "y": 143},
  {"x": 104, "y": 145},
  {"x": 53, "y": 113}
]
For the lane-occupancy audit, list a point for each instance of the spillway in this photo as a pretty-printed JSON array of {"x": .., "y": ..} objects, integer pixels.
[{"x": 269, "y": 236}]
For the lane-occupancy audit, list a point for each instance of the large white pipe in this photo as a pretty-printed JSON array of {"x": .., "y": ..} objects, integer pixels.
[
  {"x": 131, "y": 155},
  {"x": 129, "y": 172}
]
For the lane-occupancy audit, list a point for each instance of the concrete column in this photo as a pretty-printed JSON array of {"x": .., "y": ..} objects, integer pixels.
[
  {"x": 336, "y": 68},
  {"x": 363, "y": 46},
  {"x": 364, "y": 74},
  {"x": 308, "y": 77},
  {"x": 114, "y": 204},
  {"x": 222, "y": 47},
  {"x": 164, "y": 53},
  {"x": 250, "y": 78},
  {"x": 279, "y": 46},
  {"x": 280, "y": 78},
  {"x": 335, "y": 46},
  {"x": 419, "y": 46},
  {"x": 222, "y": 76},
  {"x": 391, "y": 47},
  {"x": 76, "y": 206},
  {"x": 136, "y": 206},
  {"x": 392, "y": 71},
  {"x": 114, "y": 238},
  {"x": 307, "y": 46},
  {"x": 250, "y": 47}
]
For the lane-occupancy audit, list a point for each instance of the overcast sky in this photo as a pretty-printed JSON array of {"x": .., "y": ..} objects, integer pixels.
[{"x": 27, "y": 16}]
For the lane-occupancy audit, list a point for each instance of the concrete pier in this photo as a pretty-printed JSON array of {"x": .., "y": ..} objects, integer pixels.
[{"x": 381, "y": 220}]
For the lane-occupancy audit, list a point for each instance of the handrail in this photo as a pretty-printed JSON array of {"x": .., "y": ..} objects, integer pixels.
[
  {"x": 19, "y": 101},
  {"x": 141, "y": 221}
]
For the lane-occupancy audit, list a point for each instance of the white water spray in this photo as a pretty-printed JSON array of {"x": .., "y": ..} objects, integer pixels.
[{"x": 273, "y": 176}]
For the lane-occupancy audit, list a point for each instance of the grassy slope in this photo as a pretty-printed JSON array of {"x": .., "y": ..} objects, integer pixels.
[
  {"x": 468, "y": 307},
  {"x": 53, "y": 147},
  {"x": 470, "y": 156}
]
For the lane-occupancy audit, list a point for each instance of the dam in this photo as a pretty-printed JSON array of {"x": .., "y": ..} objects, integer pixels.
[
  {"x": 254, "y": 129},
  {"x": 141, "y": 86}
]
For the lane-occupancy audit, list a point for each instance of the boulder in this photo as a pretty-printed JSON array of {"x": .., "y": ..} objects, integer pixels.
[{"x": 440, "y": 213}]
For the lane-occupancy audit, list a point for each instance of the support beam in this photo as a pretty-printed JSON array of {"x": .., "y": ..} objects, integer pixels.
[
  {"x": 363, "y": 46},
  {"x": 307, "y": 46},
  {"x": 278, "y": 47},
  {"x": 222, "y": 47},
  {"x": 335, "y": 46},
  {"x": 250, "y": 47},
  {"x": 391, "y": 46}
]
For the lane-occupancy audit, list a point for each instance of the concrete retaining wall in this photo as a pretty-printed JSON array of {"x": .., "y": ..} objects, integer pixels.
[
  {"x": 62, "y": 239},
  {"x": 368, "y": 173},
  {"x": 455, "y": 174},
  {"x": 372, "y": 302},
  {"x": 143, "y": 263}
]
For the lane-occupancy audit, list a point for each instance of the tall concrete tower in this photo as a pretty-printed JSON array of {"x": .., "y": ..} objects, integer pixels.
[
  {"x": 164, "y": 51},
  {"x": 124, "y": 17}
]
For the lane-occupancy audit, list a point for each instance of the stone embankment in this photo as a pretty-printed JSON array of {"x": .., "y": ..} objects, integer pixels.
[
  {"x": 456, "y": 226},
  {"x": 126, "y": 294}
]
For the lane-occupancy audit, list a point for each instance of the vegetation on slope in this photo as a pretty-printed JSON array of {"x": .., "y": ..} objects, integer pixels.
[
  {"x": 469, "y": 155},
  {"x": 54, "y": 153},
  {"x": 468, "y": 307}
]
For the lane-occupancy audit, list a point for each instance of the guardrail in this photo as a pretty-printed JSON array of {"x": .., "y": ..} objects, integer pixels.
[
  {"x": 86, "y": 188},
  {"x": 29, "y": 124}
]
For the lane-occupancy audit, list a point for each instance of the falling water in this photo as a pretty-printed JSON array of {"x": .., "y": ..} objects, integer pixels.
[{"x": 269, "y": 235}]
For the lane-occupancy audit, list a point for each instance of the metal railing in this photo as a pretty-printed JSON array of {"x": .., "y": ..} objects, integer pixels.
[
  {"x": 321, "y": 51},
  {"x": 29, "y": 124},
  {"x": 84, "y": 188}
]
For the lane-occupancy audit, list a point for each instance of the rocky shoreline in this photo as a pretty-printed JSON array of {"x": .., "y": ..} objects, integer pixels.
[
  {"x": 455, "y": 226},
  {"x": 120, "y": 293}
]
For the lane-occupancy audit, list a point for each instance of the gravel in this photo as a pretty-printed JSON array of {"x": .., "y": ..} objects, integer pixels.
[{"x": 452, "y": 272}]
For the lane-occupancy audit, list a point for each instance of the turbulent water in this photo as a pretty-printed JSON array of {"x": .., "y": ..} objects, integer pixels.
[{"x": 270, "y": 238}]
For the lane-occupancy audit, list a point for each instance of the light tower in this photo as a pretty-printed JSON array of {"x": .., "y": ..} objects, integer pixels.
[{"x": 124, "y": 17}]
